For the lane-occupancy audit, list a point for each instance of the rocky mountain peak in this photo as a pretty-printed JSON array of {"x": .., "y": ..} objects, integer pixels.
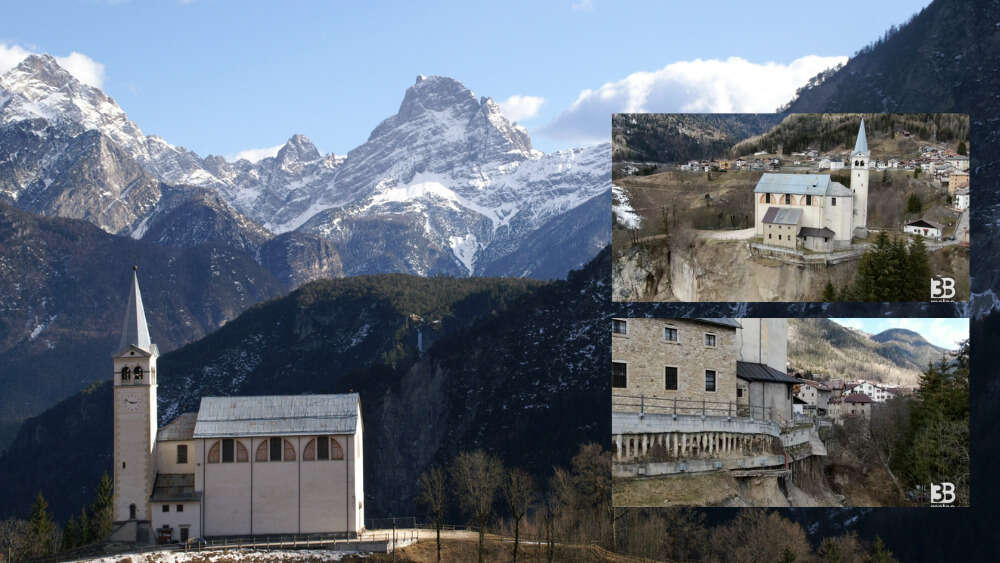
[
  {"x": 39, "y": 68},
  {"x": 436, "y": 94},
  {"x": 298, "y": 149}
]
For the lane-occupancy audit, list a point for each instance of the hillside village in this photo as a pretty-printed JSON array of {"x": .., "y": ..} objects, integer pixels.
[
  {"x": 707, "y": 412},
  {"x": 811, "y": 216}
]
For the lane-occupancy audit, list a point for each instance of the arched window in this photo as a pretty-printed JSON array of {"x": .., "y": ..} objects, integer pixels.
[
  {"x": 125, "y": 373},
  {"x": 322, "y": 448},
  {"x": 215, "y": 452},
  {"x": 138, "y": 373}
]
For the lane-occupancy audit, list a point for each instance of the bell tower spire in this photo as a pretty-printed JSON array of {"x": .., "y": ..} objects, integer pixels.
[
  {"x": 134, "y": 380},
  {"x": 859, "y": 182}
]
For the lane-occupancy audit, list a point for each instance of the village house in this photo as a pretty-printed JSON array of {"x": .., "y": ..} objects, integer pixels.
[
  {"x": 957, "y": 181},
  {"x": 875, "y": 392},
  {"x": 238, "y": 466},
  {"x": 831, "y": 213},
  {"x": 959, "y": 162},
  {"x": 854, "y": 404},
  {"x": 962, "y": 199},
  {"x": 924, "y": 228}
]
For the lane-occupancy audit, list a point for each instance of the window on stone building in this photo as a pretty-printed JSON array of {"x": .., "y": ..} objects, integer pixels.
[
  {"x": 138, "y": 373},
  {"x": 125, "y": 374},
  {"x": 788, "y": 199},
  {"x": 670, "y": 378},
  {"x": 767, "y": 198},
  {"x": 833, "y": 202},
  {"x": 619, "y": 326},
  {"x": 739, "y": 392},
  {"x": 709, "y": 380},
  {"x": 710, "y": 338},
  {"x": 180, "y": 508},
  {"x": 809, "y": 200},
  {"x": 131, "y": 512},
  {"x": 227, "y": 450},
  {"x": 182, "y": 453},
  {"x": 166, "y": 508},
  {"x": 670, "y": 334},
  {"x": 619, "y": 375},
  {"x": 275, "y": 449},
  {"x": 322, "y": 448}
]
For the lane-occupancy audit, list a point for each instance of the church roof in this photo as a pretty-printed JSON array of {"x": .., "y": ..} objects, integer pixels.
[
  {"x": 134, "y": 330},
  {"x": 782, "y": 216},
  {"x": 751, "y": 371},
  {"x": 180, "y": 428},
  {"x": 174, "y": 487},
  {"x": 279, "y": 415},
  {"x": 814, "y": 232},
  {"x": 808, "y": 184},
  {"x": 924, "y": 224},
  {"x": 861, "y": 145}
]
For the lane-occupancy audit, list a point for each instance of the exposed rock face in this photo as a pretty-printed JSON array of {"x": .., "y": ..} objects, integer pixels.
[
  {"x": 446, "y": 186},
  {"x": 297, "y": 258}
]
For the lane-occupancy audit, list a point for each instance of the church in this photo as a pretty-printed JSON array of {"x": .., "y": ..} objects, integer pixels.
[
  {"x": 811, "y": 211},
  {"x": 239, "y": 466}
]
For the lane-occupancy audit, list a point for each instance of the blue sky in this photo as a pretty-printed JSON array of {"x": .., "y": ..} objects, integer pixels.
[
  {"x": 943, "y": 332},
  {"x": 221, "y": 77}
]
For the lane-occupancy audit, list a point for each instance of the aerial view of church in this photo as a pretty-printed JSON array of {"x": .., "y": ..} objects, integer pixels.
[
  {"x": 239, "y": 466},
  {"x": 800, "y": 207}
]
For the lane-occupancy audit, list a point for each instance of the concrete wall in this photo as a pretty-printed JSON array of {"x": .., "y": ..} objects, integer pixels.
[
  {"x": 838, "y": 218},
  {"x": 134, "y": 438},
  {"x": 646, "y": 354},
  {"x": 764, "y": 341},
  {"x": 189, "y": 517},
  {"x": 773, "y": 397},
  {"x": 781, "y": 235}
]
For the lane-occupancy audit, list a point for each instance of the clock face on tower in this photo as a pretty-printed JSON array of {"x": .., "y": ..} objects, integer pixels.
[{"x": 131, "y": 402}]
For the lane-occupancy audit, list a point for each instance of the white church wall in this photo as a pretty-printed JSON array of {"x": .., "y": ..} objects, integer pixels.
[
  {"x": 166, "y": 457},
  {"x": 328, "y": 492},
  {"x": 359, "y": 476},
  {"x": 188, "y": 517},
  {"x": 134, "y": 460},
  {"x": 226, "y": 495},
  {"x": 276, "y": 492}
]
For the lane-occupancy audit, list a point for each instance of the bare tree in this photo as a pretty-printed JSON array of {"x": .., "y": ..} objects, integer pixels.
[
  {"x": 890, "y": 422},
  {"x": 519, "y": 492},
  {"x": 477, "y": 476},
  {"x": 432, "y": 494}
]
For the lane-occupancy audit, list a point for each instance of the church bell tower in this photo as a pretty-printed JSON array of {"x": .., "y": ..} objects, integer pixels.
[
  {"x": 859, "y": 182},
  {"x": 135, "y": 415}
]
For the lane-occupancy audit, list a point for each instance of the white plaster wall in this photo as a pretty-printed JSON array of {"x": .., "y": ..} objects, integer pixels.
[
  {"x": 276, "y": 493},
  {"x": 764, "y": 341},
  {"x": 859, "y": 185},
  {"x": 327, "y": 492},
  {"x": 189, "y": 517},
  {"x": 226, "y": 497},
  {"x": 839, "y": 218},
  {"x": 359, "y": 476},
  {"x": 166, "y": 457}
]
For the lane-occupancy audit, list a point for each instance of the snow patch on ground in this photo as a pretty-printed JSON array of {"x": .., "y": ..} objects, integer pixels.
[
  {"x": 227, "y": 555},
  {"x": 622, "y": 209}
]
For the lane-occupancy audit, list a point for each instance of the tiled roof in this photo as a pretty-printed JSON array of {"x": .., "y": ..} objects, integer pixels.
[
  {"x": 814, "y": 232},
  {"x": 287, "y": 415},
  {"x": 857, "y": 398}
]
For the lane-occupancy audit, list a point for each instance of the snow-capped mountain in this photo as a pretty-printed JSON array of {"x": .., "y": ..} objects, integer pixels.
[{"x": 447, "y": 185}]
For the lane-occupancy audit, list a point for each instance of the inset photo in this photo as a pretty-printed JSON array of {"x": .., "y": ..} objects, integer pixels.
[
  {"x": 790, "y": 208},
  {"x": 783, "y": 412}
]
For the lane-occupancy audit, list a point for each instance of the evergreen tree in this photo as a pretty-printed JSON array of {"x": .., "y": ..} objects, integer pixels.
[
  {"x": 913, "y": 203},
  {"x": 101, "y": 510},
  {"x": 84, "y": 531},
  {"x": 71, "y": 534},
  {"x": 41, "y": 528},
  {"x": 881, "y": 554},
  {"x": 962, "y": 150},
  {"x": 918, "y": 271},
  {"x": 829, "y": 293}
]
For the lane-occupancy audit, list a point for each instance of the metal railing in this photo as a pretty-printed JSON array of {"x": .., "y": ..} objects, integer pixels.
[{"x": 688, "y": 407}]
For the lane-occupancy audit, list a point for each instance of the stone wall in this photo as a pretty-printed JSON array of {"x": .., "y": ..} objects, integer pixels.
[{"x": 647, "y": 353}]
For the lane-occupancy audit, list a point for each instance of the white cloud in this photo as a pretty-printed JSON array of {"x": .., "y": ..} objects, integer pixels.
[
  {"x": 84, "y": 68},
  {"x": 517, "y": 108},
  {"x": 734, "y": 85},
  {"x": 582, "y": 6},
  {"x": 254, "y": 155}
]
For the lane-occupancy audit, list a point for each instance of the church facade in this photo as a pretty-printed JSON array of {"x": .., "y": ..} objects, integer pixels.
[
  {"x": 238, "y": 466},
  {"x": 812, "y": 211}
]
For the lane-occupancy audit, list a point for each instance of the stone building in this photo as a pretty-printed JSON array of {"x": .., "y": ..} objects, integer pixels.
[
  {"x": 813, "y": 209},
  {"x": 239, "y": 466},
  {"x": 655, "y": 362},
  {"x": 854, "y": 404}
]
